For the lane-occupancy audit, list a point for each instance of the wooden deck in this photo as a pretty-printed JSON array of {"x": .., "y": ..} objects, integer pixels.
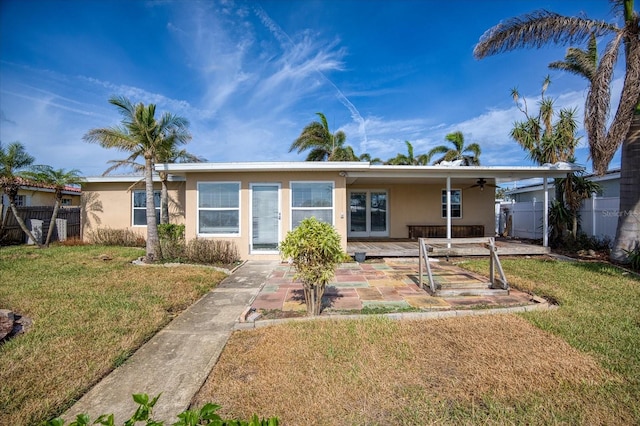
[{"x": 392, "y": 247}]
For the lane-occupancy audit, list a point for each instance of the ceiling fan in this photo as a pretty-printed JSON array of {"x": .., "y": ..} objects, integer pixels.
[{"x": 481, "y": 183}]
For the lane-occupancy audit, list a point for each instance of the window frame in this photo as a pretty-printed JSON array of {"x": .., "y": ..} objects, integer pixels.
[
  {"x": 331, "y": 208},
  {"x": 443, "y": 204},
  {"x": 238, "y": 209},
  {"x": 133, "y": 208}
]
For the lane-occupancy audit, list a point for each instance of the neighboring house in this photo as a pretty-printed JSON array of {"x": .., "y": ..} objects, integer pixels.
[
  {"x": 38, "y": 194},
  {"x": 523, "y": 206},
  {"x": 256, "y": 204}
]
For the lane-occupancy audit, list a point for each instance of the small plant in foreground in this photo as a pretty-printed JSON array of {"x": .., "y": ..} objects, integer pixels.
[
  {"x": 204, "y": 416},
  {"x": 172, "y": 243},
  {"x": 315, "y": 250}
]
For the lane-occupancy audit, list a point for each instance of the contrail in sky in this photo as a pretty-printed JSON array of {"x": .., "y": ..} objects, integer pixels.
[{"x": 284, "y": 39}]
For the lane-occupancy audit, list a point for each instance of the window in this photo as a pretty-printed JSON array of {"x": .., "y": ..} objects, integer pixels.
[
  {"x": 140, "y": 207},
  {"x": 456, "y": 203},
  {"x": 311, "y": 199},
  {"x": 21, "y": 200},
  {"x": 66, "y": 201},
  {"x": 219, "y": 208}
]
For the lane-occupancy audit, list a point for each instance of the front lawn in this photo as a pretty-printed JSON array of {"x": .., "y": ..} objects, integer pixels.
[
  {"x": 578, "y": 364},
  {"x": 91, "y": 309}
]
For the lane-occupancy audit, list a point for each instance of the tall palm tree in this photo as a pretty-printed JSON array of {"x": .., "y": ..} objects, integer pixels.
[
  {"x": 409, "y": 159},
  {"x": 367, "y": 157},
  {"x": 457, "y": 152},
  {"x": 58, "y": 179},
  {"x": 321, "y": 143},
  {"x": 13, "y": 160},
  {"x": 541, "y": 27},
  {"x": 142, "y": 134},
  {"x": 580, "y": 62}
]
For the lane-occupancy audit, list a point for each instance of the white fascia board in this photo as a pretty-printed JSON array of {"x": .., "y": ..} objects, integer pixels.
[
  {"x": 127, "y": 179},
  {"x": 263, "y": 166}
]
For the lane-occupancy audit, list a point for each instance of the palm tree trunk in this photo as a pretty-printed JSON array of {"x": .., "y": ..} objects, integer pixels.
[
  {"x": 628, "y": 231},
  {"x": 153, "y": 242},
  {"x": 23, "y": 226},
  {"x": 52, "y": 224},
  {"x": 164, "y": 199}
]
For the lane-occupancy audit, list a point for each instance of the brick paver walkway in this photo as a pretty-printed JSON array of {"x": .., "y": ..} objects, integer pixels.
[{"x": 391, "y": 284}]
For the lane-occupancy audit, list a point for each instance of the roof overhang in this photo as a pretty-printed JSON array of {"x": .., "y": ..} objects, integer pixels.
[
  {"x": 358, "y": 170},
  {"x": 364, "y": 172},
  {"x": 128, "y": 179}
]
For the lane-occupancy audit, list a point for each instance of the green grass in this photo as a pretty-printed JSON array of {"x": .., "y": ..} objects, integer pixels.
[
  {"x": 578, "y": 364},
  {"x": 91, "y": 309},
  {"x": 599, "y": 312}
]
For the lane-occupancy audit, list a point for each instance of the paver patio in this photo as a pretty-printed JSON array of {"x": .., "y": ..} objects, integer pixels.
[{"x": 388, "y": 284}]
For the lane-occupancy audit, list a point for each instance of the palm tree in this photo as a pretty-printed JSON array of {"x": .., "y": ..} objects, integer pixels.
[
  {"x": 580, "y": 62},
  {"x": 58, "y": 179},
  {"x": 13, "y": 160},
  {"x": 542, "y": 27},
  {"x": 169, "y": 154},
  {"x": 367, "y": 157},
  {"x": 409, "y": 159},
  {"x": 544, "y": 140},
  {"x": 458, "y": 151},
  {"x": 142, "y": 134},
  {"x": 323, "y": 145}
]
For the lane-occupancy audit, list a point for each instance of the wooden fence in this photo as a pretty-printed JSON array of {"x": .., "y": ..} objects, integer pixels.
[{"x": 12, "y": 234}]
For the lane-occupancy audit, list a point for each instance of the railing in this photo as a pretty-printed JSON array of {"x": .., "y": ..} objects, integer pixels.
[{"x": 427, "y": 246}]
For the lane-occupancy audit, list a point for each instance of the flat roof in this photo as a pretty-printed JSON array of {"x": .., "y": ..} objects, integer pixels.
[{"x": 364, "y": 170}]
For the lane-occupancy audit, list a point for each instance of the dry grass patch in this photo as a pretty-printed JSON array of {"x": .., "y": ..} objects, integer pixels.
[
  {"x": 491, "y": 369},
  {"x": 91, "y": 309}
]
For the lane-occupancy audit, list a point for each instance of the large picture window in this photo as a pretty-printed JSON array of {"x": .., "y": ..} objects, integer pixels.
[
  {"x": 219, "y": 208},
  {"x": 140, "y": 207},
  {"x": 456, "y": 203},
  {"x": 311, "y": 199}
]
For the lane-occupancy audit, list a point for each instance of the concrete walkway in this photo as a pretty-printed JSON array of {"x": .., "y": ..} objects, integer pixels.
[{"x": 179, "y": 358}]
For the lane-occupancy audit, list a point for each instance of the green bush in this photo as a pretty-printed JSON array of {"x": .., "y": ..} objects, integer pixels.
[
  {"x": 144, "y": 413},
  {"x": 315, "y": 250},
  {"x": 116, "y": 237},
  {"x": 172, "y": 243},
  {"x": 209, "y": 252},
  {"x": 634, "y": 257}
]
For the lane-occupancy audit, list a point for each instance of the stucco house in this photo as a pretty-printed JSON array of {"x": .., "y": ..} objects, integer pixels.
[{"x": 255, "y": 204}]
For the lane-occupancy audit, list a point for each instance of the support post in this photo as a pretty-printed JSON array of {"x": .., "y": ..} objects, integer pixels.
[
  {"x": 545, "y": 214},
  {"x": 449, "y": 211}
]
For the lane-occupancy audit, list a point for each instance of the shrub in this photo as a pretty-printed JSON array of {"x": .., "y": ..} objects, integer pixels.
[
  {"x": 144, "y": 413},
  {"x": 315, "y": 250},
  {"x": 214, "y": 252},
  {"x": 172, "y": 244},
  {"x": 116, "y": 237},
  {"x": 634, "y": 257}
]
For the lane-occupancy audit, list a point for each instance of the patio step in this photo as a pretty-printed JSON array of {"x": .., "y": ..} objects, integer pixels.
[{"x": 468, "y": 289}]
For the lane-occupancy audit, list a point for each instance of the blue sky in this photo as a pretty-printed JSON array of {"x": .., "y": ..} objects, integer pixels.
[{"x": 250, "y": 75}]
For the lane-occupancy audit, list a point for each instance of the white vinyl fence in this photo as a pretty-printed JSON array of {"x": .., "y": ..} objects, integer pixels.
[{"x": 598, "y": 217}]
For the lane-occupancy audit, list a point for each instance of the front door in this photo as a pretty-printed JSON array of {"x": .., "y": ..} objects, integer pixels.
[
  {"x": 265, "y": 217},
  {"x": 368, "y": 214}
]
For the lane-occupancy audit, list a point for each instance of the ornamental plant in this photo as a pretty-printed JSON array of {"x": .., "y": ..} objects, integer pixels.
[{"x": 315, "y": 251}]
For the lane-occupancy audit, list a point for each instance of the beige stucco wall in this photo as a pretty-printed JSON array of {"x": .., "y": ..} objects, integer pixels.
[
  {"x": 284, "y": 179},
  {"x": 420, "y": 204},
  {"x": 39, "y": 197},
  {"x": 110, "y": 205}
]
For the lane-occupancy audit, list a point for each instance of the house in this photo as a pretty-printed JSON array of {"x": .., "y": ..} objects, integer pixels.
[
  {"x": 255, "y": 204},
  {"x": 598, "y": 215},
  {"x": 35, "y": 201}
]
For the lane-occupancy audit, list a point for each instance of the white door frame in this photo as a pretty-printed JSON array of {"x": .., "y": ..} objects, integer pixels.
[{"x": 279, "y": 217}]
